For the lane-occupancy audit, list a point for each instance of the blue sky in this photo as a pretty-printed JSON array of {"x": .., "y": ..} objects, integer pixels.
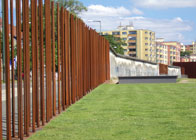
[{"x": 173, "y": 20}]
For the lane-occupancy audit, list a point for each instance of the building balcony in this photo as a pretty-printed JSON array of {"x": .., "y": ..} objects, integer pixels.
[
  {"x": 132, "y": 35},
  {"x": 132, "y": 47},
  {"x": 132, "y": 52},
  {"x": 132, "y": 41}
]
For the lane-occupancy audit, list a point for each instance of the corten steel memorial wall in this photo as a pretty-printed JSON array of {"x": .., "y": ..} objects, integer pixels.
[
  {"x": 188, "y": 68},
  {"x": 163, "y": 69},
  {"x": 68, "y": 59}
]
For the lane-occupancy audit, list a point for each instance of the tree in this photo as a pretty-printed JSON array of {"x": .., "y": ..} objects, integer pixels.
[
  {"x": 186, "y": 53},
  {"x": 74, "y": 6},
  {"x": 115, "y": 43}
]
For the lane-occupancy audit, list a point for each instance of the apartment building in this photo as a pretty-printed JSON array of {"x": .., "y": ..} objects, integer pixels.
[
  {"x": 139, "y": 43},
  {"x": 183, "y": 48},
  {"x": 161, "y": 53},
  {"x": 194, "y": 47},
  {"x": 174, "y": 49},
  {"x": 189, "y": 48}
]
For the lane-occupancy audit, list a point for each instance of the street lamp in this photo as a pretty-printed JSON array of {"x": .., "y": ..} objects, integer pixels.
[{"x": 99, "y": 21}]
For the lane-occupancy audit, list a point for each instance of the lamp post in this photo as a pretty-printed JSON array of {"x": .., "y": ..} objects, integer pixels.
[{"x": 99, "y": 21}]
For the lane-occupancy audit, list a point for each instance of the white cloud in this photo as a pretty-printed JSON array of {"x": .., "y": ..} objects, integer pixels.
[
  {"x": 170, "y": 29},
  {"x": 99, "y": 10},
  {"x": 105, "y": 11},
  {"x": 137, "y": 11},
  {"x": 178, "y": 19},
  {"x": 165, "y": 3}
]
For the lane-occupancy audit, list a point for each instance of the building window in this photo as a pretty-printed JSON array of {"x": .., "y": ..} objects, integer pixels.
[
  {"x": 124, "y": 33},
  {"x": 146, "y": 55},
  {"x": 132, "y": 50},
  {"x": 146, "y": 38},
  {"x": 146, "y": 32},
  {"x": 132, "y": 55},
  {"x": 124, "y": 39},
  {"x": 146, "y": 49},
  {"x": 106, "y": 34},
  {"x": 132, "y": 38},
  {"x": 132, "y": 44},
  {"x": 146, "y": 44},
  {"x": 132, "y": 32},
  {"x": 115, "y": 33}
]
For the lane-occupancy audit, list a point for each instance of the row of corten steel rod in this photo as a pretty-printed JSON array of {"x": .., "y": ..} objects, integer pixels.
[{"x": 68, "y": 58}]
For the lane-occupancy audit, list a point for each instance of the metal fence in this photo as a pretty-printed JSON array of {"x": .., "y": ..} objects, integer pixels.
[
  {"x": 187, "y": 68},
  {"x": 67, "y": 60}
]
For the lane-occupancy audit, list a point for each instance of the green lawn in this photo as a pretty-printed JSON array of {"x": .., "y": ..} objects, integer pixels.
[{"x": 128, "y": 112}]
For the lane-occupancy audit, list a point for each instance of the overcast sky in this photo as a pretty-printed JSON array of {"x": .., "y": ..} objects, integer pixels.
[{"x": 173, "y": 20}]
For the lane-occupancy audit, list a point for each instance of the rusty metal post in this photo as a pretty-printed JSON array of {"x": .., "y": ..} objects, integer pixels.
[
  {"x": 33, "y": 22},
  {"x": 12, "y": 59},
  {"x": 48, "y": 60},
  {"x": 58, "y": 53},
  {"x": 108, "y": 60},
  {"x": 73, "y": 60},
  {"x": 41, "y": 39},
  {"x": 76, "y": 55},
  {"x": 7, "y": 64},
  {"x": 53, "y": 60},
  {"x": 62, "y": 58},
  {"x": 67, "y": 57},
  {"x": 64, "y": 62},
  {"x": 84, "y": 59},
  {"x": 0, "y": 91},
  {"x": 19, "y": 71},
  {"x": 26, "y": 66},
  {"x": 37, "y": 66}
]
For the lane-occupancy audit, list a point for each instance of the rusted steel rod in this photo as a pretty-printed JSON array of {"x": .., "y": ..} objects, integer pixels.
[
  {"x": 48, "y": 60},
  {"x": 19, "y": 71},
  {"x": 73, "y": 60},
  {"x": 63, "y": 63},
  {"x": 58, "y": 53},
  {"x": 37, "y": 66},
  {"x": 12, "y": 59},
  {"x": 0, "y": 91},
  {"x": 53, "y": 60},
  {"x": 33, "y": 23},
  {"x": 62, "y": 58},
  {"x": 42, "y": 85},
  {"x": 26, "y": 67},
  {"x": 67, "y": 57},
  {"x": 69, "y": 60},
  {"x": 7, "y": 61}
]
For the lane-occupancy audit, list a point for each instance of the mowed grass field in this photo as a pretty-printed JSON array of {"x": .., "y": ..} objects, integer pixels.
[{"x": 128, "y": 112}]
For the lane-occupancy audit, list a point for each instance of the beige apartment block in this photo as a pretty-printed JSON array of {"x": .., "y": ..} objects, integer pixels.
[
  {"x": 139, "y": 43},
  {"x": 162, "y": 53},
  {"x": 194, "y": 47},
  {"x": 174, "y": 49}
]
